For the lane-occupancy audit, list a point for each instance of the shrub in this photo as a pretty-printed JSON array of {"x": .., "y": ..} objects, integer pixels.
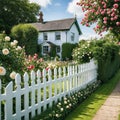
[
  {"x": 67, "y": 49},
  {"x": 106, "y": 52},
  {"x": 27, "y": 36}
]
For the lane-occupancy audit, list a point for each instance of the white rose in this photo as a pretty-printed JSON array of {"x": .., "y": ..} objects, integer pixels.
[
  {"x": 12, "y": 75},
  {"x": 2, "y": 70},
  {"x": 7, "y": 38},
  {"x": 18, "y": 48},
  {"x": 12, "y": 44},
  {"x": 15, "y": 41},
  {"x": 5, "y": 51}
]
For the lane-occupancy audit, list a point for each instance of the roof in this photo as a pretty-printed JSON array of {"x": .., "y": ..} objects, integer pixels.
[{"x": 56, "y": 25}]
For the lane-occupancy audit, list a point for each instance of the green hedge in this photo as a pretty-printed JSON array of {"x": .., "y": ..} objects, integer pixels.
[
  {"x": 27, "y": 36},
  {"x": 67, "y": 49}
]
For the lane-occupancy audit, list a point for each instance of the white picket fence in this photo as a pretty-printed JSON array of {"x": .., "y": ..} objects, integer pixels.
[{"x": 37, "y": 92}]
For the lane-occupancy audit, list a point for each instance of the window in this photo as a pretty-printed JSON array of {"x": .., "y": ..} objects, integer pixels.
[
  {"x": 57, "y": 36},
  {"x": 58, "y": 49},
  {"x": 45, "y": 37},
  {"x": 45, "y": 49},
  {"x": 72, "y": 36}
]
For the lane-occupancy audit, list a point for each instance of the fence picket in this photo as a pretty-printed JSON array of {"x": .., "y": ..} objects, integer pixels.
[
  {"x": 33, "y": 92},
  {"x": 39, "y": 91},
  {"x": 18, "y": 96},
  {"x": 26, "y": 97}
]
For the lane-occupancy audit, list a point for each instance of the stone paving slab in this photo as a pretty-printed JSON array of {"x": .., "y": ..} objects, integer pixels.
[{"x": 111, "y": 108}]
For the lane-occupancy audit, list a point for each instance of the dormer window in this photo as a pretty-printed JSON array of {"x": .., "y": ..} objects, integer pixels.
[
  {"x": 57, "y": 36},
  {"x": 45, "y": 36}
]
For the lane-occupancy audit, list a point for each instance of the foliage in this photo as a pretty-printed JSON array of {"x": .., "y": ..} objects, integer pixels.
[
  {"x": 27, "y": 36},
  {"x": 62, "y": 108},
  {"x": 53, "y": 51},
  {"x": 34, "y": 63},
  {"x": 11, "y": 59},
  {"x": 39, "y": 50},
  {"x": 83, "y": 53},
  {"x": 104, "y": 12},
  {"x": 67, "y": 49},
  {"x": 105, "y": 51},
  {"x": 15, "y": 12}
]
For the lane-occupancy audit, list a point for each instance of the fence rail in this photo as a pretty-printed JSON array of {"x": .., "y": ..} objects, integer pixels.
[{"x": 32, "y": 94}]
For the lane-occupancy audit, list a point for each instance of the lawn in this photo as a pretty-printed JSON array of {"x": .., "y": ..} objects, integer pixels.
[{"x": 87, "y": 109}]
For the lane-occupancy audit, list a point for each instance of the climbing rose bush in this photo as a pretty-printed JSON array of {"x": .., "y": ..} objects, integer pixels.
[{"x": 105, "y": 12}]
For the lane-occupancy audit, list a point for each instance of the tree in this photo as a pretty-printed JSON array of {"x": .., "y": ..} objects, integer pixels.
[
  {"x": 27, "y": 35},
  {"x": 13, "y": 12},
  {"x": 105, "y": 12}
]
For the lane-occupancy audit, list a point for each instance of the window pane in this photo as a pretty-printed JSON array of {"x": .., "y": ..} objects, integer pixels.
[
  {"x": 45, "y": 37},
  {"x": 72, "y": 36},
  {"x": 45, "y": 49},
  {"x": 57, "y": 36}
]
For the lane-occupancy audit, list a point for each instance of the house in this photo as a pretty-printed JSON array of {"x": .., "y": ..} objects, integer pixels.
[{"x": 57, "y": 32}]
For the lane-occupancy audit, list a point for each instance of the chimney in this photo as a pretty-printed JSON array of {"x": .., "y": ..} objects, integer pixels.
[{"x": 41, "y": 17}]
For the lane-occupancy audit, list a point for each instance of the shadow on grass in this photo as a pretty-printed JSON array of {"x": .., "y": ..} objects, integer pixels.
[{"x": 87, "y": 109}]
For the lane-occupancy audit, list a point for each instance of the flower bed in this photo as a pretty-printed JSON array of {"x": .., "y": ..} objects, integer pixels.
[{"x": 62, "y": 108}]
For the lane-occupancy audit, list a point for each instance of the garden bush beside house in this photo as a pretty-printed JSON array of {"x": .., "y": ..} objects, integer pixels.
[
  {"x": 27, "y": 35},
  {"x": 67, "y": 49}
]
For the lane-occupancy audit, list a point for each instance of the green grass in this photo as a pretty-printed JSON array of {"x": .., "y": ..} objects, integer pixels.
[
  {"x": 119, "y": 117},
  {"x": 87, "y": 109}
]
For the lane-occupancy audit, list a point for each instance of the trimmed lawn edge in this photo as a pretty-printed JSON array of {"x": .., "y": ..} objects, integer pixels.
[{"x": 87, "y": 109}]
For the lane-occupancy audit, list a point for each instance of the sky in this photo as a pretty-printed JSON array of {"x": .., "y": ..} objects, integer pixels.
[{"x": 61, "y": 9}]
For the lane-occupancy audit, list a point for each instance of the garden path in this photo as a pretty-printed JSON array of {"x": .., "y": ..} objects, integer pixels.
[{"x": 110, "y": 110}]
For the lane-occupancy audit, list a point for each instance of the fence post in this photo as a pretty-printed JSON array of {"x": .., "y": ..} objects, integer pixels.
[
  {"x": 8, "y": 104},
  {"x": 39, "y": 91},
  {"x": 50, "y": 86},
  {"x": 60, "y": 82},
  {"x": 18, "y": 96},
  {"x": 26, "y": 100},
  {"x": 44, "y": 81},
  {"x": 65, "y": 85},
  {"x": 55, "y": 83},
  {"x": 33, "y": 92}
]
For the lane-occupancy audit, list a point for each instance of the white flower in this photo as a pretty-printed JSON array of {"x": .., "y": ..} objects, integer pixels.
[
  {"x": 57, "y": 115},
  {"x": 12, "y": 44},
  {"x": 15, "y": 41},
  {"x": 5, "y": 51},
  {"x": 18, "y": 48},
  {"x": 61, "y": 109},
  {"x": 7, "y": 38},
  {"x": 2, "y": 70},
  {"x": 12, "y": 75}
]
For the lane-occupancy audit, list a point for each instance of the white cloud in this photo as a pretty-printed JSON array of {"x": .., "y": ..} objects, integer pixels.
[
  {"x": 75, "y": 9},
  {"x": 57, "y": 4},
  {"x": 42, "y": 3},
  {"x": 88, "y": 36}
]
